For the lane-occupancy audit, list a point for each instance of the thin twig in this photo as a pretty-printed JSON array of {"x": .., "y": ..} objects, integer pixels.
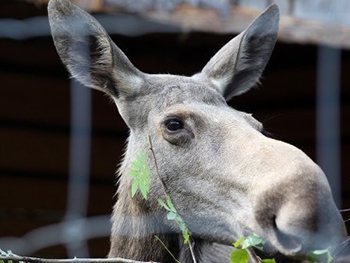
[
  {"x": 73, "y": 260},
  {"x": 192, "y": 252},
  {"x": 167, "y": 249},
  {"x": 156, "y": 165}
]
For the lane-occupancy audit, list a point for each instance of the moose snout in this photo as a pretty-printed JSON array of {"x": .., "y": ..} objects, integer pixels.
[
  {"x": 297, "y": 214},
  {"x": 308, "y": 227},
  {"x": 298, "y": 226}
]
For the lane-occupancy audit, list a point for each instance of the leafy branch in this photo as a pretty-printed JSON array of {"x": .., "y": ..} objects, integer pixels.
[
  {"x": 141, "y": 173},
  {"x": 174, "y": 215},
  {"x": 241, "y": 255}
]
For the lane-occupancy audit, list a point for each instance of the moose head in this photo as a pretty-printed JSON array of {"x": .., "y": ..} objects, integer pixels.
[{"x": 225, "y": 177}]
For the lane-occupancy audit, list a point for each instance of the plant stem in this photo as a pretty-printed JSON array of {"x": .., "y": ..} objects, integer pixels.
[
  {"x": 167, "y": 249},
  {"x": 192, "y": 252},
  {"x": 156, "y": 165}
]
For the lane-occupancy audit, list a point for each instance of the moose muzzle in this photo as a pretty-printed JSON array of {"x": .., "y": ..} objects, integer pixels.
[{"x": 296, "y": 212}]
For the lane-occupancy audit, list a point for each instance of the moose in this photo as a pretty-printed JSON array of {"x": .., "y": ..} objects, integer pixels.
[{"x": 224, "y": 175}]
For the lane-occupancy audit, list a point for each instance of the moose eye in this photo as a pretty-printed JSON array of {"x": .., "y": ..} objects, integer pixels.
[
  {"x": 177, "y": 132},
  {"x": 174, "y": 124}
]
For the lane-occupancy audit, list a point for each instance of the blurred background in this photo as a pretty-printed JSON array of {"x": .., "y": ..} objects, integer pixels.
[{"x": 60, "y": 143}]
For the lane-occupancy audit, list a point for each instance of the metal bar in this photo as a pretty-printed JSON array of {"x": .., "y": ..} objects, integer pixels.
[
  {"x": 327, "y": 117},
  {"x": 79, "y": 170}
]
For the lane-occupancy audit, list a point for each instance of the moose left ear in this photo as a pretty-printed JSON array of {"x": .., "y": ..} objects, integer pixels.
[
  {"x": 88, "y": 52},
  {"x": 237, "y": 66}
]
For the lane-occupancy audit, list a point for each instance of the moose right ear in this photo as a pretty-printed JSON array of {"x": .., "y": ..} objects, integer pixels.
[
  {"x": 88, "y": 52},
  {"x": 237, "y": 66}
]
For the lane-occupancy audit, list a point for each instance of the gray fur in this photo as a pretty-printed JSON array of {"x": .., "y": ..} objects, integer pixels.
[{"x": 224, "y": 176}]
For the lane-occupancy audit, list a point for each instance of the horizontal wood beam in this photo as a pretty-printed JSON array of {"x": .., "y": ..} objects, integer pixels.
[{"x": 294, "y": 27}]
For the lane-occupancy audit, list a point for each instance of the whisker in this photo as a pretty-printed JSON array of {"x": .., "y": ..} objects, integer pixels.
[
  {"x": 344, "y": 242},
  {"x": 344, "y": 210},
  {"x": 337, "y": 250}
]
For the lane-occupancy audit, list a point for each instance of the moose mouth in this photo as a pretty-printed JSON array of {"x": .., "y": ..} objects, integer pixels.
[
  {"x": 291, "y": 251},
  {"x": 339, "y": 252},
  {"x": 278, "y": 257},
  {"x": 271, "y": 251}
]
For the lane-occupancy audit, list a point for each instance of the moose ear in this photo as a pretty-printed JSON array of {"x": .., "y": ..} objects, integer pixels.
[
  {"x": 88, "y": 52},
  {"x": 237, "y": 66}
]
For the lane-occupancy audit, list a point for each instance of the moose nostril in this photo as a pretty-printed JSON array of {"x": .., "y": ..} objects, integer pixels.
[
  {"x": 288, "y": 242},
  {"x": 280, "y": 238}
]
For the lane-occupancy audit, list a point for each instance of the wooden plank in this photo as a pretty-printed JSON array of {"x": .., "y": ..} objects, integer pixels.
[
  {"x": 91, "y": 5},
  {"x": 39, "y": 152},
  {"x": 25, "y": 52},
  {"x": 48, "y": 103},
  {"x": 45, "y": 200},
  {"x": 325, "y": 11},
  {"x": 344, "y": 120},
  {"x": 33, "y": 151}
]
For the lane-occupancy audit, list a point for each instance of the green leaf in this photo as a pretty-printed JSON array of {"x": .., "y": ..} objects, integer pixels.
[
  {"x": 163, "y": 204},
  {"x": 239, "y": 256},
  {"x": 170, "y": 204},
  {"x": 320, "y": 251},
  {"x": 181, "y": 223},
  {"x": 256, "y": 240},
  {"x": 134, "y": 187},
  {"x": 239, "y": 241},
  {"x": 144, "y": 192},
  {"x": 174, "y": 215},
  {"x": 171, "y": 216},
  {"x": 140, "y": 174},
  {"x": 267, "y": 260},
  {"x": 329, "y": 258},
  {"x": 186, "y": 236},
  {"x": 139, "y": 162},
  {"x": 144, "y": 185},
  {"x": 317, "y": 255},
  {"x": 133, "y": 173},
  {"x": 253, "y": 240}
]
